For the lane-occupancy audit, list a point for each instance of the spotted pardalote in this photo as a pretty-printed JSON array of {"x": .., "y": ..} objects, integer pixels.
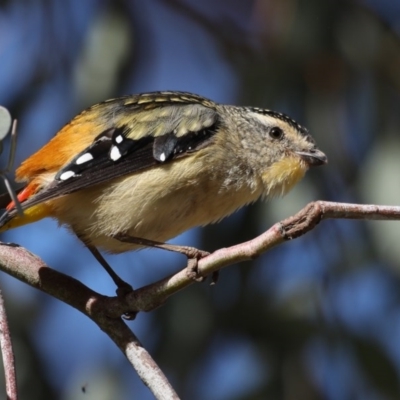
[{"x": 156, "y": 164}]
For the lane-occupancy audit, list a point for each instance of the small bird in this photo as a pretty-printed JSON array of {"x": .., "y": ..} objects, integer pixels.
[{"x": 142, "y": 169}]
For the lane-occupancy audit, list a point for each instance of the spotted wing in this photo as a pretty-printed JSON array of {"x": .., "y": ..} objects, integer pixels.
[{"x": 119, "y": 151}]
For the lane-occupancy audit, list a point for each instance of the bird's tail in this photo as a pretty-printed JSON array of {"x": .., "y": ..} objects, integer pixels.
[{"x": 11, "y": 219}]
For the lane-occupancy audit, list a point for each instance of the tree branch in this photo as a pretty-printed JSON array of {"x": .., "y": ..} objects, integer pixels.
[
  {"x": 106, "y": 311},
  {"x": 149, "y": 297},
  {"x": 7, "y": 354},
  {"x": 28, "y": 268}
]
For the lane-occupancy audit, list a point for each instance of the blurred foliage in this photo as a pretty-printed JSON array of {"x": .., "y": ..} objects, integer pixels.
[{"x": 317, "y": 318}]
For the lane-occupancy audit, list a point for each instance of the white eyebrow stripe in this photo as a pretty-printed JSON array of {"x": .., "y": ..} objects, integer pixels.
[
  {"x": 264, "y": 119},
  {"x": 84, "y": 158}
]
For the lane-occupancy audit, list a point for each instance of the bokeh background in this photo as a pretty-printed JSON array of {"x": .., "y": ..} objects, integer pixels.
[{"x": 316, "y": 318}]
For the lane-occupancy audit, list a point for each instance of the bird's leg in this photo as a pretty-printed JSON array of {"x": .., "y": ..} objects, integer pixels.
[
  {"x": 123, "y": 288},
  {"x": 193, "y": 255}
]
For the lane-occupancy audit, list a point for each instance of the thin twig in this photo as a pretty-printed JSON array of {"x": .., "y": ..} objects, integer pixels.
[
  {"x": 149, "y": 297},
  {"x": 147, "y": 369},
  {"x": 7, "y": 353}
]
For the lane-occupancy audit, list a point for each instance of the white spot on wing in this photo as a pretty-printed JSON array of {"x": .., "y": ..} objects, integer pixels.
[
  {"x": 115, "y": 154},
  {"x": 119, "y": 139},
  {"x": 162, "y": 157},
  {"x": 84, "y": 158},
  {"x": 67, "y": 175}
]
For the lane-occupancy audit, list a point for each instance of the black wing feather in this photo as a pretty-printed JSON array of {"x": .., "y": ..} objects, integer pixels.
[
  {"x": 136, "y": 155},
  {"x": 163, "y": 147}
]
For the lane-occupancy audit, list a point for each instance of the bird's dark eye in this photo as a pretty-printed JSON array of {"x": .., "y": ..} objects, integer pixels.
[{"x": 276, "y": 133}]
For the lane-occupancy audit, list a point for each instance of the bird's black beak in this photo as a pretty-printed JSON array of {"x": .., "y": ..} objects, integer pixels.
[{"x": 313, "y": 157}]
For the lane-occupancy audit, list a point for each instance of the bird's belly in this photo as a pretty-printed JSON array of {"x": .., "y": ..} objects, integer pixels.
[{"x": 145, "y": 212}]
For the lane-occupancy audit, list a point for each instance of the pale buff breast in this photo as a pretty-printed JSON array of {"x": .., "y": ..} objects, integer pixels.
[{"x": 157, "y": 204}]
